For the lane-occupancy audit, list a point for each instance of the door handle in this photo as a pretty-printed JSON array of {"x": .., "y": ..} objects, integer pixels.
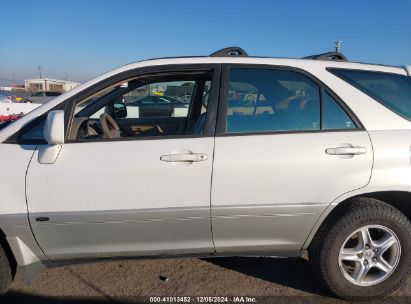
[
  {"x": 42, "y": 219},
  {"x": 346, "y": 150},
  {"x": 184, "y": 157}
]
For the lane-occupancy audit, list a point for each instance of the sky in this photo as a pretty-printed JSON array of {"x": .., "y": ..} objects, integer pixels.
[{"x": 80, "y": 39}]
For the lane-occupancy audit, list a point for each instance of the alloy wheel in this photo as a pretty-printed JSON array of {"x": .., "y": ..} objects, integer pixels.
[{"x": 369, "y": 255}]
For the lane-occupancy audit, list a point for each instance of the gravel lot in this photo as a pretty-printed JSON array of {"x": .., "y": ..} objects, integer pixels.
[{"x": 269, "y": 280}]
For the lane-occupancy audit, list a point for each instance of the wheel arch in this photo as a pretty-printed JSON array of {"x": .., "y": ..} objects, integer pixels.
[
  {"x": 396, "y": 198},
  {"x": 9, "y": 253}
]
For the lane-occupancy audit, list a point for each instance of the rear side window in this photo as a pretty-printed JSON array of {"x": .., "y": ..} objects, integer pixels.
[
  {"x": 334, "y": 117},
  {"x": 276, "y": 100},
  {"x": 391, "y": 90},
  {"x": 270, "y": 101}
]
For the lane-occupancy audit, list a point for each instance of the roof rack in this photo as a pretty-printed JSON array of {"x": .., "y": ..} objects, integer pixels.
[
  {"x": 407, "y": 68},
  {"x": 333, "y": 56},
  {"x": 232, "y": 51}
]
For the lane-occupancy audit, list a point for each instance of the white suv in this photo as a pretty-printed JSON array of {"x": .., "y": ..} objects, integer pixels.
[{"x": 214, "y": 156}]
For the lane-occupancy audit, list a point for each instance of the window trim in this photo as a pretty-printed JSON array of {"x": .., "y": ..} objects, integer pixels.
[
  {"x": 323, "y": 93},
  {"x": 163, "y": 76},
  {"x": 366, "y": 91},
  {"x": 16, "y": 137},
  {"x": 69, "y": 104},
  {"x": 222, "y": 104}
]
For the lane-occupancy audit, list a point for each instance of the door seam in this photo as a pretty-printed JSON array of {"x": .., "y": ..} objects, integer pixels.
[{"x": 27, "y": 202}]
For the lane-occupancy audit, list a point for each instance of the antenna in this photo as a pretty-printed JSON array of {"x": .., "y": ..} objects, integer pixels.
[{"x": 337, "y": 46}]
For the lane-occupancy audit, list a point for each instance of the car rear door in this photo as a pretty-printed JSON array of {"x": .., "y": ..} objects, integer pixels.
[{"x": 286, "y": 147}]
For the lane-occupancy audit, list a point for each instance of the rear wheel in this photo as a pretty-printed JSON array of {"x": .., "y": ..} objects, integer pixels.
[
  {"x": 365, "y": 253},
  {"x": 6, "y": 276}
]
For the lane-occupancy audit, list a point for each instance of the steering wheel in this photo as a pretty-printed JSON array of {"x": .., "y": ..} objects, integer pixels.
[{"x": 109, "y": 126}]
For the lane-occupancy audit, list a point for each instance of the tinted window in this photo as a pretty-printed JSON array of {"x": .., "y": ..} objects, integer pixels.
[
  {"x": 52, "y": 94},
  {"x": 35, "y": 133},
  {"x": 391, "y": 90},
  {"x": 334, "y": 116},
  {"x": 271, "y": 100}
]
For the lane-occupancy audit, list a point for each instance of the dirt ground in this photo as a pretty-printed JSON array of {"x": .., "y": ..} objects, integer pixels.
[{"x": 263, "y": 280}]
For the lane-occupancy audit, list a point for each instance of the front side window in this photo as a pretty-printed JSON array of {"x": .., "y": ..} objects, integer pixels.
[
  {"x": 391, "y": 90},
  {"x": 271, "y": 100},
  {"x": 145, "y": 106}
]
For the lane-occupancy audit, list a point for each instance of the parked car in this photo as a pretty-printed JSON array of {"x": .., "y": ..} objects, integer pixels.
[
  {"x": 6, "y": 98},
  {"x": 43, "y": 97},
  {"x": 159, "y": 106},
  {"x": 14, "y": 110},
  {"x": 153, "y": 99},
  {"x": 7, "y": 118},
  {"x": 286, "y": 155},
  {"x": 16, "y": 96}
]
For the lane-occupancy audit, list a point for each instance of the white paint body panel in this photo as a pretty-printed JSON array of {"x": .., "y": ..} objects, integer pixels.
[
  {"x": 116, "y": 176},
  {"x": 14, "y": 160},
  {"x": 267, "y": 167},
  {"x": 392, "y": 162},
  {"x": 24, "y": 255},
  {"x": 290, "y": 172}
]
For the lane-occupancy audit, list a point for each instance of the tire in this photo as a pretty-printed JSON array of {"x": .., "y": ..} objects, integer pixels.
[
  {"x": 343, "y": 277},
  {"x": 6, "y": 276}
]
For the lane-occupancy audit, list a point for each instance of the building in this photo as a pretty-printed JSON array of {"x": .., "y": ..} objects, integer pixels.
[{"x": 48, "y": 84}]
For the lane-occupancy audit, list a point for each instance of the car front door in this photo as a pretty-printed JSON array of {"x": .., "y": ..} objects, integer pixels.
[
  {"x": 285, "y": 148},
  {"x": 145, "y": 193}
]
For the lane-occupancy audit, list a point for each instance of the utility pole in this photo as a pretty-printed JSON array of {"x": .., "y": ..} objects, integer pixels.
[
  {"x": 337, "y": 46},
  {"x": 39, "y": 68}
]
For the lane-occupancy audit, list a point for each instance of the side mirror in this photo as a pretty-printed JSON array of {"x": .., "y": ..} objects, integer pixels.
[
  {"x": 119, "y": 110},
  {"x": 54, "y": 128}
]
